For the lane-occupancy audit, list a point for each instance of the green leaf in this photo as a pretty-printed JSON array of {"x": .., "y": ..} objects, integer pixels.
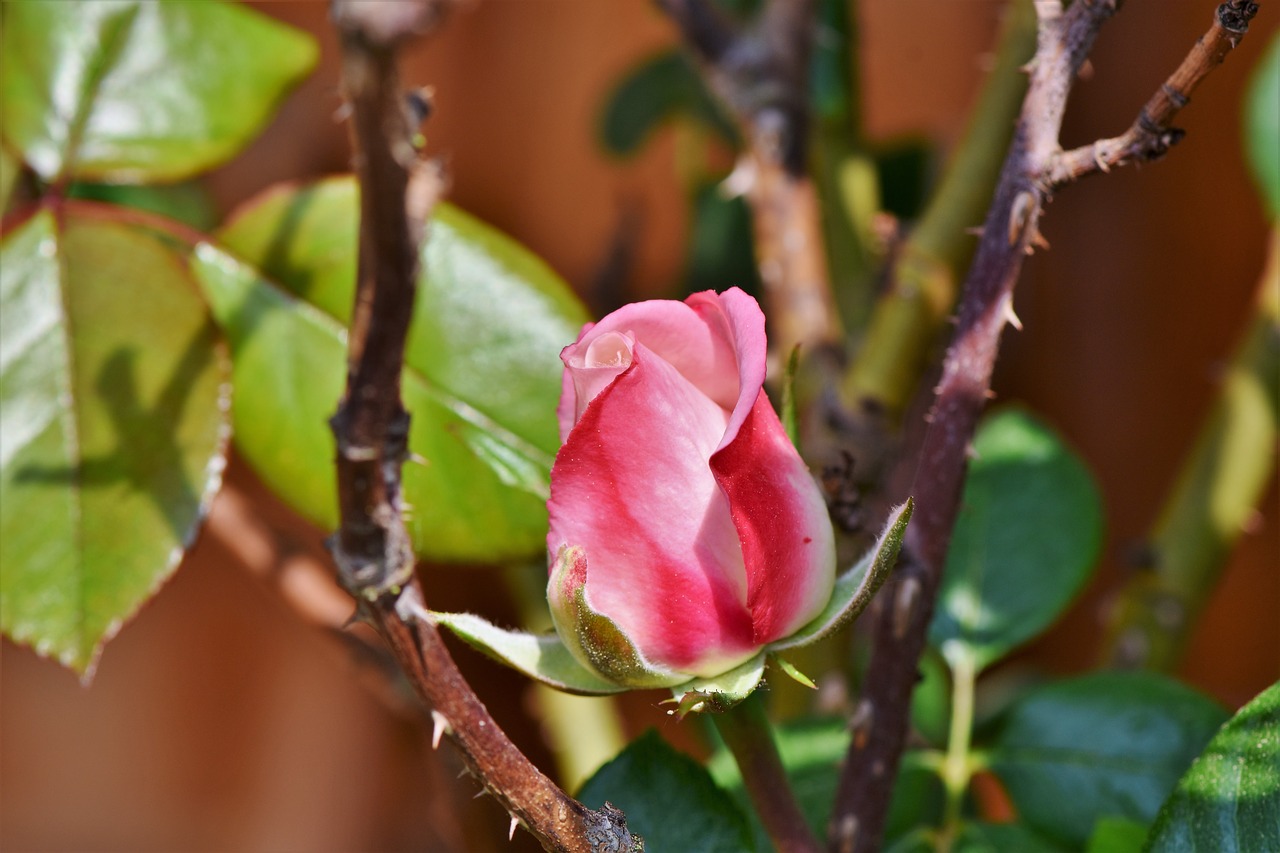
[
  {"x": 9, "y": 169},
  {"x": 1230, "y": 798},
  {"x": 931, "y": 699},
  {"x": 188, "y": 203},
  {"x": 720, "y": 249},
  {"x": 979, "y": 837},
  {"x": 662, "y": 87},
  {"x": 1262, "y": 126},
  {"x": 542, "y": 657},
  {"x": 134, "y": 92},
  {"x": 113, "y": 402},
  {"x": 1117, "y": 835},
  {"x": 669, "y": 799},
  {"x": 854, "y": 589},
  {"x": 1103, "y": 745},
  {"x": 1029, "y": 530},
  {"x": 482, "y": 369},
  {"x": 811, "y": 750}
]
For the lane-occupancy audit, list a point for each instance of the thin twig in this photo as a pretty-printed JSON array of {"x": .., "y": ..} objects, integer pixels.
[
  {"x": 1152, "y": 133},
  {"x": 761, "y": 74},
  {"x": 1064, "y": 40},
  {"x": 371, "y": 427}
]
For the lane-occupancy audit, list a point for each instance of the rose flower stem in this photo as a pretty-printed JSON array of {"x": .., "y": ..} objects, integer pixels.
[{"x": 747, "y": 733}]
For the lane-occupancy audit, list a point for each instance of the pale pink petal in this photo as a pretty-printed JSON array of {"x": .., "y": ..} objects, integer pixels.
[
  {"x": 632, "y": 486},
  {"x": 690, "y": 336},
  {"x": 787, "y": 542},
  {"x": 744, "y": 326}
]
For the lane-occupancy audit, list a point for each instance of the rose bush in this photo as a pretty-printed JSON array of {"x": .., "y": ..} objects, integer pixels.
[{"x": 685, "y": 531}]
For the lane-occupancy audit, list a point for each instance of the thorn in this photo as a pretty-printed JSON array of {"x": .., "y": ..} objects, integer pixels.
[
  {"x": 482, "y": 792},
  {"x": 439, "y": 725},
  {"x": 1024, "y": 204},
  {"x": 740, "y": 180},
  {"x": 409, "y": 606},
  {"x": 1085, "y": 73},
  {"x": 511, "y": 831},
  {"x": 971, "y": 452},
  {"x": 343, "y": 112},
  {"x": 1037, "y": 239},
  {"x": 975, "y": 230},
  {"x": 1010, "y": 317},
  {"x": 989, "y": 394}
]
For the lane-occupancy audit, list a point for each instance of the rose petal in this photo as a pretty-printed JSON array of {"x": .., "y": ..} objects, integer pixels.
[
  {"x": 633, "y": 488},
  {"x": 787, "y": 542},
  {"x": 691, "y": 336}
]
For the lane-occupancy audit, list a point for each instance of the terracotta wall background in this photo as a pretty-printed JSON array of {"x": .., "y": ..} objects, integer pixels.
[{"x": 219, "y": 721}]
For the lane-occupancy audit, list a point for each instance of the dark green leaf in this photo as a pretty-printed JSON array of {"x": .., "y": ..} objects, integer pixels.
[
  {"x": 659, "y": 89},
  {"x": 132, "y": 92},
  {"x": 1262, "y": 126},
  {"x": 931, "y": 699},
  {"x": 1117, "y": 835},
  {"x": 112, "y": 428},
  {"x": 1001, "y": 838},
  {"x": 482, "y": 369},
  {"x": 720, "y": 243},
  {"x": 1103, "y": 745},
  {"x": 811, "y": 751},
  {"x": 188, "y": 203},
  {"x": 1028, "y": 532},
  {"x": 669, "y": 799},
  {"x": 1230, "y": 798}
]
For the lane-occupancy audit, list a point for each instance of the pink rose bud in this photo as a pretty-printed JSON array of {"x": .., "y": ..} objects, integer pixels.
[{"x": 686, "y": 532}]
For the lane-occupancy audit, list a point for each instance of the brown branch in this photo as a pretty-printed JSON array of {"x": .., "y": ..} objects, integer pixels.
[
  {"x": 371, "y": 428},
  {"x": 761, "y": 73},
  {"x": 1152, "y": 133}
]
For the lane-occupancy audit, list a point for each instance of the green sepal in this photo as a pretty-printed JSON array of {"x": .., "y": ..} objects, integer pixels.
[
  {"x": 542, "y": 657},
  {"x": 597, "y": 641},
  {"x": 793, "y": 672},
  {"x": 854, "y": 589},
  {"x": 721, "y": 692}
]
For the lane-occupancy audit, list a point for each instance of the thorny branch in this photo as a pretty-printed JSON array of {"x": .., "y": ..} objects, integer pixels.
[
  {"x": 1152, "y": 135},
  {"x": 371, "y": 427},
  {"x": 1064, "y": 40},
  {"x": 761, "y": 71}
]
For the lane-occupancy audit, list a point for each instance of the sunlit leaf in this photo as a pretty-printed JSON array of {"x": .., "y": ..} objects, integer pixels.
[
  {"x": 112, "y": 428},
  {"x": 482, "y": 375},
  {"x": 1029, "y": 530},
  {"x": 1230, "y": 798},
  {"x": 130, "y": 91}
]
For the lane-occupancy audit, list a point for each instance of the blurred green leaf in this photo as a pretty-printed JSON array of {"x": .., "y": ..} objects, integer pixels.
[
  {"x": 188, "y": 203},
  {"x": 1262, "y": 126},
  {"x": 482, "y": 369},
  {"x": 133, "y": 92},
  {"x": 812, "y": 750},
  {"x": 979, "y": 837},
  {"x": 669, "y": 799},
  {"x": 720, "y": 249},
  {"x": 9, "y": 168},
  {"x": 1103, "y": 745},
  {"x": 1117, "y": 835},
  {"x": 1230, "y": 798},
  {"x": 1029, "y": 530},
  {"x": 112, "y": 428},
  {"x": 931, "y": 699},
  {"x": 660, "y": 88}
]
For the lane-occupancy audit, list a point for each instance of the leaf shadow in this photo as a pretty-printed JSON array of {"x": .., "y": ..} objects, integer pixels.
[{"x": 147, "y": 455}]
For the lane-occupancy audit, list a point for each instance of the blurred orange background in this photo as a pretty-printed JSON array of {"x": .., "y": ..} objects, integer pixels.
[{"x": 221, "y": 721}]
